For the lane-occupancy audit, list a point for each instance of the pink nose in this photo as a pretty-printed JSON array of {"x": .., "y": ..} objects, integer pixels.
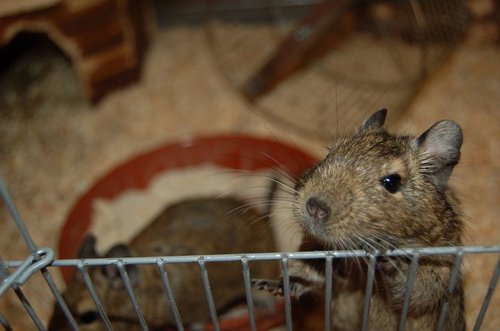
[{"x": 318, "y": 209}]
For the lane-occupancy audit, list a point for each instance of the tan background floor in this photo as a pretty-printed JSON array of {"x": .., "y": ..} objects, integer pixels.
[{"x": 52, "y": 156}]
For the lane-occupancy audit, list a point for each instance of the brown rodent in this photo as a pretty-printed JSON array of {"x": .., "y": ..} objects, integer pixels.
[
  {"x": 376, "y": 190},
  {"x": 198, "y": 226}
]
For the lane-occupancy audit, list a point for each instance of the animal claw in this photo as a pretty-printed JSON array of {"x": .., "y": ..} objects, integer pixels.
[{"x": 274, "y": 287}]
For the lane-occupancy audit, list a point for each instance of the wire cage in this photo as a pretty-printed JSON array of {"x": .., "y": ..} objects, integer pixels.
[{"x": 16, "y": 274}]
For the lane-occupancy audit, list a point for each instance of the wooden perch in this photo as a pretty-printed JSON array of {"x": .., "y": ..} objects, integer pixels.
[{"x": 324, "y": 27}]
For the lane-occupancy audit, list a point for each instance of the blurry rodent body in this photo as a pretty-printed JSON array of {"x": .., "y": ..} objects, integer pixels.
[
  {"x": 197, "y": 226},
  {"x": 378, "y": 191}
]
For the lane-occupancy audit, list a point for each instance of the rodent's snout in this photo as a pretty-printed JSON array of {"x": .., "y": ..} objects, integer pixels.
[{"x": 318, "y": 209}]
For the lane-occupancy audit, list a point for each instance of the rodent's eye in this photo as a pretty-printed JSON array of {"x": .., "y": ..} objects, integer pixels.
[
  {"x": 392, "y": 183},
  {"x": 89, "y": 317}
]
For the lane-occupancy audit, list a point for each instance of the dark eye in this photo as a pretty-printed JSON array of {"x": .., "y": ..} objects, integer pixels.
[
  {"x": 392, "y": 183},
  {"x": 89, "y": 317}
]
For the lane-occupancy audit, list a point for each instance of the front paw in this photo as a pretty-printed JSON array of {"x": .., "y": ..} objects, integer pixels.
[
  {"x": 298, "y": 286},
  {"x": 389, "y": 266},
  {"x": 273, "y": 286},
  {"x": 393, "y": 275}
]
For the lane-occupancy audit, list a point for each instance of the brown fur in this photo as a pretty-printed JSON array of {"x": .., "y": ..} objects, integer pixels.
[
  {"x": 191, "y": 227},
  {"x": 358, "y": 212}
]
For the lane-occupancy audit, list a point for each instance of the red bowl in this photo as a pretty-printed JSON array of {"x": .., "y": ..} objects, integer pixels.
[{"x": 227, "y": 151}]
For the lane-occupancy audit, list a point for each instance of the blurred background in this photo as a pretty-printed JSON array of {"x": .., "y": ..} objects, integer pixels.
[{"x": 85, "y": 86}]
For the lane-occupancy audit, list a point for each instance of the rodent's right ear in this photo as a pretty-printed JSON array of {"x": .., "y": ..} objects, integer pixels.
[
  {"x": 118, "y": 250},
  {"x": 376, "y": 120},
  {"x": 87, "y": 248},
  {"x": 440, "y": 150}
]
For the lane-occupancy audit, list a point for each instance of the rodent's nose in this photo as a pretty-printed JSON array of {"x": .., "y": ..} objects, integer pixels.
[{"x": 318, "y": 209}]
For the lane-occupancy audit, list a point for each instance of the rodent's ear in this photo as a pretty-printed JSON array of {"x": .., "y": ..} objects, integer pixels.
[
  {"x": 439, "y": 148},
  {"x": 118, "y": 250},
  {"x": 376, "y": 120},
  {"x": 87, "y": 248},
  {"x": 112, "y": 273}
]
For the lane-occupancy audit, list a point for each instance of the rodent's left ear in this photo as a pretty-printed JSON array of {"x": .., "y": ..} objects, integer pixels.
[
  {"x": 439, "y": 148},
  {"x": 87, "y": 247},
  {"x": 376, "y": 120}
]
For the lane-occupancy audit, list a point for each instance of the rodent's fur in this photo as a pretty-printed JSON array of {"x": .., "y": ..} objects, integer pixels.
[
  {"x": 342, "y": 204},
  {"x": 197, "y": 226}
]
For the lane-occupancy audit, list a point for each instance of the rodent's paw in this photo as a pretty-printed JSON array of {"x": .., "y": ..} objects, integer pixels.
[
  {"x": 273, "y": 286},
  {"x": 298, "y": 286},
  {"x": 385, "y": 265},
  {"x": 389, "y": 266}
]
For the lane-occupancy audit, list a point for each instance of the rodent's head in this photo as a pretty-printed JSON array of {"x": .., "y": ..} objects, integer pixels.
[
  {"x": 375, "y": 189},
  {"x": 107, "y": 283}
]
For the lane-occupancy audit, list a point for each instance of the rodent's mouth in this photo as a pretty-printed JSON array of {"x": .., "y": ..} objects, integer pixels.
[
  {"x": 339, "y": 238},
  {"x": 320, "y": 234}
]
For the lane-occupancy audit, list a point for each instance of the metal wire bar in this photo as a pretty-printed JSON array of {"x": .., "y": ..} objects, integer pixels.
[
  {"x": 5, "y": 323},
  {"x": 8, "y": 280},
  {"x": 170, "y": 294},
  {"x": 30, "y": 265},
  {"x": 286, "y": 290},
  {"x": 39, "y": 260},
  {"x": 4, "y": 273},
  {"x": 59, "y": 299},
  {"x": 133, "y": 299},
  {"x": 454, "y": 278},
  {"x": 328, "y": 291},
  {"x": 427, "y": 251},
  {"x": 248, "y": 292},
  {"x": 412, "y": 273},
  {"x": 328, "y": 255},
  {"x": 208, "y": 294},
  {"x": 17, "y": 218},
  {"x": 29, "y": 309},
  {"x": 368, "y": 291},
  {"x": 93, "y": 294},
  {"x": 487, "y": 298}
]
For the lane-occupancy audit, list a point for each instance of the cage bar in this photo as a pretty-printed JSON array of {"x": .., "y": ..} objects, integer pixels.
[
  {"x": 412, "y": 272},
  {"x": 29, "y": 308},
  {"x": 4, "y": 323},
  {"x": 454, "y": 278},
  {"x": 133, "y": 299},
  {"x": 248, "y": 293},
  {"x": 486, "y": 302},
  {"x": 16, "y": 217},
  {"x": 93, "y": 294},
  {"x": 368, "y": 291},
  {"x": 208, "y": 294},
  {"x": 39, "y": 260},
  {"x": 328, "y": 291},
  {"x": 170, "y": 294},
  {"x": 286, "y": 292}
]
